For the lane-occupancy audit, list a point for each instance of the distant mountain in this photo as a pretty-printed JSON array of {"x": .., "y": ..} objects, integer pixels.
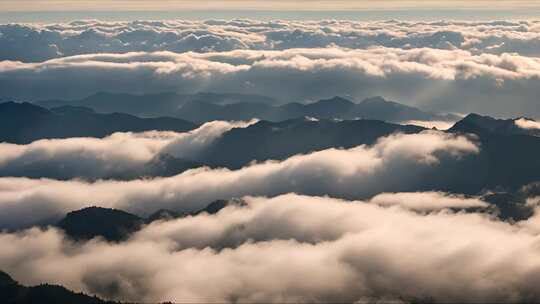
[
  {"x": 152, "y": 105},
  {"x": 279, "y": 140},
  {"x": 111, "y": 224},
  {"x": 11, "y": 292},
  {"x": 23, "y": 123},
  {"x": 205, "y": 107},
  {"x": 478, "y": 124},
  {"x": 376, "y": 108}
]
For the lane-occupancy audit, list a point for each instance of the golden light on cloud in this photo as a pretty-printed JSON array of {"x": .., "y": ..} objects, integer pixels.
[{"x": 302, "y": 5}]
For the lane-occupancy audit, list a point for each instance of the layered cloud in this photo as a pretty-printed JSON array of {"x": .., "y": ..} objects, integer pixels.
[
  {"x": 120, "y": 155},
  {"x": 293, "y": 249},
  {"x": 395, "y": 163},
  {"x": 432, "y": 79},
  {"x": 33, "y": 42}
]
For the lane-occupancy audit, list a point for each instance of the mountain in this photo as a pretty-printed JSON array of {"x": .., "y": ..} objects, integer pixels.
[
  {"x": 11, "y": 292},
  {"x": 376, "y": 108},
  {"x": 203, "y": 107},
  {"x": 111, "y": 224},
  {"x": 152, "y": 105},
  {"x": 478, "y": 124},
  {"x": 23, "y": 123},
  {"x": 216, "y": 206},
  {"x": 163, "y": 215},
  {"x": 508, "y": 157},
  {"x": 279, "y": 140}
]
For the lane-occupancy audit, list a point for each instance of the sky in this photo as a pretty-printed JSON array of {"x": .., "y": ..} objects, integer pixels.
[
  {"x": 303, "y": 5},
  {"x": 65, "y": 10}
]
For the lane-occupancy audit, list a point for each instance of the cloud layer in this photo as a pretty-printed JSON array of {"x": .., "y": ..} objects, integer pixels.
[
  {"x": 395, "y": 163},
  {"x": 432, "y": 79},
  {"x": 120, "y": 155},
  {"x": 293, "y": 249},
  {"x": 33, "y": 42}
]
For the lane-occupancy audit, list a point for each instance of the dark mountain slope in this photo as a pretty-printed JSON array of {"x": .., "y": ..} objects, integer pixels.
[
  {"x": 11, "y": 292},
  {"x": 268, "y": 140},
  {"x": 24, "y": 122},
  {"x": 508, "y": 155}
]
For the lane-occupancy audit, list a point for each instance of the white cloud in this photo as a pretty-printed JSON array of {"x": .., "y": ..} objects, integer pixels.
[
  {"x": 425, "y": 201},
  {"x": 293, "y": 249},
  {"x": 527, "y": 124},
  {"x": 440, "y": 125},
  {"x": 395, "y": 163},
  {"x": 94, "y": 36},
  {"x": 117, "y": 155},
  {"x": 432, "y": 79}
]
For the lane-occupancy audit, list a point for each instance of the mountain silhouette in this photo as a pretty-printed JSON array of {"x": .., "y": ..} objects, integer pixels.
[
  {"x": 152, "y": 105},
  {"x": 11, "y": 292},
  {"x": 204, "y": 107},
  {"x": 111, "y": 224},
  {"x": 279, "y": 140},
  {"x": 23, "y": 123},
  {"x": 478, "y": 124}
]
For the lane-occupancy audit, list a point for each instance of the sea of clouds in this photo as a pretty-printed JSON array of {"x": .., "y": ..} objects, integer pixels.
[
  {"x": 337, "y": 225},
  {"x": 294, "y": 248},
  {"x": 486, "y": 67}
]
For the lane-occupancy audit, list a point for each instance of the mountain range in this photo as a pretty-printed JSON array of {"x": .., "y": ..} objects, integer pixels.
[
  {"x": 154, "y": 105},
  {"x": 22, "y": 123},
  {"x": 205, "y": 107}
]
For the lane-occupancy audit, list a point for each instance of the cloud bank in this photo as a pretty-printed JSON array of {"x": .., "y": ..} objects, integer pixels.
[
  {"x": 38, "y": 42},
  {"x": 395, "y": 163},
  {"x": 118, "y": 155},
  {"x": 432, "y": 79},
  {"x": 293, "y": 248}
]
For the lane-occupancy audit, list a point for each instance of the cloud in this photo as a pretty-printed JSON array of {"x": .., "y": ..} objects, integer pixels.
[
  {"x": 38, "y": 42},
  {"x": 440, "y": 125},
  {"x": 527, "y": 124},
  {"x": 426, "y": 201},
  {"x": 432, "y": 79},
  {"x": 293, "y": 248},
  {"x": 120, "y": 155},
  {"x": 395, "y": 163}
]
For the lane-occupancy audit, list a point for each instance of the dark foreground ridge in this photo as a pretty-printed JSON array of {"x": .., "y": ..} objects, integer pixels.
[{"x": 11, "y": 292}]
